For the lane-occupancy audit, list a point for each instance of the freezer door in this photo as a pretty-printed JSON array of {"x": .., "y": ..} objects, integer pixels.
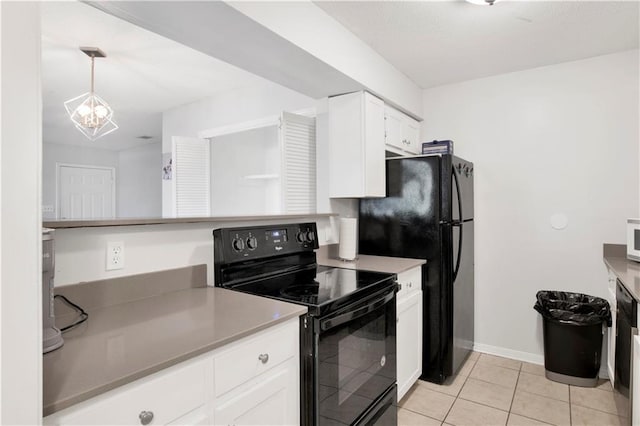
[
  {"x": 406, "y": 222},
  {"x": 463, "y": 292}
]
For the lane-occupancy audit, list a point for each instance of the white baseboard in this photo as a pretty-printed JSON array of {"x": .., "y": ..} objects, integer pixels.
[
  {"x": 524, "y": 356},
  {"x": 509, "y": 353}
]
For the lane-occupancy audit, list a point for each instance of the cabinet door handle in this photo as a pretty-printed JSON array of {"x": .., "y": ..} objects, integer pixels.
[
  {"x": 145, "y": 417},
  {"x": 263, "y": 358}
]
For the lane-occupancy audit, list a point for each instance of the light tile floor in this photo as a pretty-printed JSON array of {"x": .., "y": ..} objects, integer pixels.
[{"x": 491, "y": 390}]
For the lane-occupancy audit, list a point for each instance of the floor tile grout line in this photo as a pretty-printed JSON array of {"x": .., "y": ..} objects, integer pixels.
[
  {"x": 483, "y": 404},
  {"x": 421, "y": 414},
  {"x": 458, "y": 394},
  {"x": 570, "y": 407},
  {"x": 595, "y": 409},
  {"x": 513, "y": 397},
  {"x": 491, "y": 383}
]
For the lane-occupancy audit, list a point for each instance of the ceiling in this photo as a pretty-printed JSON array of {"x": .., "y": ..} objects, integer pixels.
[
  {"x": 432, "y": 42},
  {"x": 441, "y": 42},
  {"x": 143, "y": 74}
]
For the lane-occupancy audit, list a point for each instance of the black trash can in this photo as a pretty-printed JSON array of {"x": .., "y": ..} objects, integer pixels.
[{"x": 573, "y": 326}]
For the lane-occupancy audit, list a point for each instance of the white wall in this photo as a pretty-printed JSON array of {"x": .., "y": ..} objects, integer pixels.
[
  {"x": 231, "y": 107},
  {"x": 81, "y": 252},
  {"x": 139, "y": 181},
  {"x": 557, "y": 139},
  {"x": 238, "y": 155},
  {"x": 53, "y": 153},
  {"x": 20, "y": 218}
]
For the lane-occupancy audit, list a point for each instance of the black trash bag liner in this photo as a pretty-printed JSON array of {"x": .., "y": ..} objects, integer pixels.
[{"x": 572, "y": 308}]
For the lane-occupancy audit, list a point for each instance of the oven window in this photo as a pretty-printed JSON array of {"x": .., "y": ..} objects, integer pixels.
[
  {"x": 362, "y": 353},
  {"x": 636, "y": 239},
  {"x": 356, "y": 365}
]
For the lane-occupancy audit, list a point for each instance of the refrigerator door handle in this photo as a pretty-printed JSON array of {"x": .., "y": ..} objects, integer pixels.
[
  {"x": 458, "y": 223},
  {"x": 457, "y": 267}
]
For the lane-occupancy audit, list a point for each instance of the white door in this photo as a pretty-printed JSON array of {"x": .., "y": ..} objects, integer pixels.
[{"x": 85, "y": 192}]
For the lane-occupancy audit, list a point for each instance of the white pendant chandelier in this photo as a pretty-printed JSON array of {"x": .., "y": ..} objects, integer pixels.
[{"x": 91, "y": 114}]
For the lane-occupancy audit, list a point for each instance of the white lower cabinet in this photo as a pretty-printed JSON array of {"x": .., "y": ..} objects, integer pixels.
[
  {"x": 409, "y": 330},
  {"x": 159, "y": 399},
  {"x": 262, "y": 386},
  {"x": 269, "y": 400},
  {"x": 198, "y": 417}
]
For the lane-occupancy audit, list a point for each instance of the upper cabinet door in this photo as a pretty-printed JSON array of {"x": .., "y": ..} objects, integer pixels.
[
  {"x": 411, "y": 135},
  {"x": 356, "y": 146},
  {"x": 191, "y": 177},
  {"x": 298, "y": 178},
  {"x": 393, "y": 127},
  {"x": 401, "y": 131}
]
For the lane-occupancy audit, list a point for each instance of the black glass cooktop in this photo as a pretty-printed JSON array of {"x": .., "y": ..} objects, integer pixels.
[{"x": 322, "y": 289}]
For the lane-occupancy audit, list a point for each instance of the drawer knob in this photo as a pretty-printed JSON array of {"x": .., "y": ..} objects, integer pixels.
[
  {"x": 263, "y": 358},
  {"x": 146, "y": 417}
]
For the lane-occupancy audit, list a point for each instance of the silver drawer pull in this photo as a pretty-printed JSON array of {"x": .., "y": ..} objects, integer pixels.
[
  {"x": 264, "y": 358},
  {"x": 146, "y": 417}
]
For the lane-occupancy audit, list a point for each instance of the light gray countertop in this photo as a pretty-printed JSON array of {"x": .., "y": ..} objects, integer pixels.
[
  {"x": 627, "y": 271},
  {"x": 124, "y": 342},
  {"x": 328, "y": 256}
]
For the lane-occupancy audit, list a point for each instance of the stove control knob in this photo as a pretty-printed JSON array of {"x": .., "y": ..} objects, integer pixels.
[
  {"x": 252, "y": 243},
  {"x": 301, "y": 237},
  {"x": 237, "y": 244},
  {"x": 311, "y": 236}
]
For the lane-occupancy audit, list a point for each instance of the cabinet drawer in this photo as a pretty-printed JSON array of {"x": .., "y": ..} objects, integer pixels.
[
  {"x": 410, "y": 281},
  {"x": 254, "y": 356},
  {"x": 168, "y": 394}
]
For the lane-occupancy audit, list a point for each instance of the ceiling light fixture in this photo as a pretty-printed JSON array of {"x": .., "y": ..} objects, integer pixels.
[
  {"x": 483, "y": 2},
  {"x": 89, "y": 112}
]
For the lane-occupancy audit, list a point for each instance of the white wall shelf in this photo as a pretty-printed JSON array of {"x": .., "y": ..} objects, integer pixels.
[{"x": 262, "y": 177}]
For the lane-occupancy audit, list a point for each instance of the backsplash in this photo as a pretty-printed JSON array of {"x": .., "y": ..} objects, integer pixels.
[{"x": 81, "y": 252}]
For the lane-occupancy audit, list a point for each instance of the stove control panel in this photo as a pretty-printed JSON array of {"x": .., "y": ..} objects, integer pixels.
[{"x": 255, "y": 242}]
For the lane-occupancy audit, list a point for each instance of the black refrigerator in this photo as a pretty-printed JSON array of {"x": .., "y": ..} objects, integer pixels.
[{"x": 428, "y": 214}]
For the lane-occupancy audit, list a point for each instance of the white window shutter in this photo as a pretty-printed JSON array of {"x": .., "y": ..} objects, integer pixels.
[
  {"x": 298, "y": 139},
  {"x": 191, "y": 177}
]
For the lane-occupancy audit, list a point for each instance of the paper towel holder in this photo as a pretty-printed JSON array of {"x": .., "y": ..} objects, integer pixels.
[{"x": 348, "y": 245}]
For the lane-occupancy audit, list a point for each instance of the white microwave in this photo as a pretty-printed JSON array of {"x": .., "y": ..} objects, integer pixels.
[{"x": 633, "y": 239}]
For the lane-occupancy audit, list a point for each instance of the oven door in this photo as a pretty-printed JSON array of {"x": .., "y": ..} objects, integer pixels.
[{"x": 356, "y": 358}]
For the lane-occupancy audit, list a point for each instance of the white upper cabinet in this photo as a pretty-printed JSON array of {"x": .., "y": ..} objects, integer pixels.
[
  {"x": 356, "y": 146},
  {"x": 402, "y": 133}
]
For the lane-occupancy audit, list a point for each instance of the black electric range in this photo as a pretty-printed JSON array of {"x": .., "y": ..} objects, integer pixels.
[{"x": 348, "y": 336}]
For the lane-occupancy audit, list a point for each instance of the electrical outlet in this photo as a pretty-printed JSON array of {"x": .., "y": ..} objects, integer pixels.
[{"x": 115, "y": 255}]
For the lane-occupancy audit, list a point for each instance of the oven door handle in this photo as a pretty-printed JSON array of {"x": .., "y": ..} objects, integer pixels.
[{"x": 337, "y": 320}]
